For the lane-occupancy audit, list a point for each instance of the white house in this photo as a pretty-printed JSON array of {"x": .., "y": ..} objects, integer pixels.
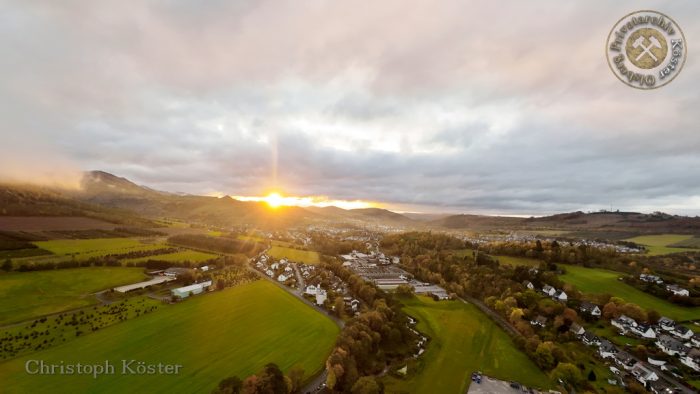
[
  {"x": 651, "y": 279},
  {"x": 692, "y": 359},
  {"x": 643, "y": 374},
  {"x": 310, "y": 289},
  {"x": 677, "y": 290},
  {"x": 682, "y": 331},
  {"x": 670, "y": 346},
  {"x": 529, "y": 285},
  {"x": 576, "y": 329},
  {"x": 590, "y": 308},
  {"x": 270, "y": 273},
  {"x": 590, "y": 339},
  {"x": 561, "y": 296},
  {"x": 539, "y": 321},
  {"x": 549, "y": 290},
  {"x": 644, "y": 331},
  {"x": 666, "y": 323},
  {"x": 274, "y": 266},
  {"x": 282, "y": 278},
  {"x": 321, "y": 296},
  {"x": 606, "y": 349}
]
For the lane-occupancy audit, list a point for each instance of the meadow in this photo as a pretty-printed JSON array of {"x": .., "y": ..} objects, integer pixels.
[
  {"x": 600, "y": 281},
  {"x": 192, "y": 256},
  {"x": 232, "y": 332},
  {"x": 25, "y": 295},
  {"x": 463, "y": 340},
  {"x": 295, "y": 255},
  {"x": 666, "y": 243},
  {"x": 84, "y": 249}
]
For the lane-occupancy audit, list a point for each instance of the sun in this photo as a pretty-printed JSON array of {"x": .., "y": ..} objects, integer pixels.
[{"x": 274, "y": 200}]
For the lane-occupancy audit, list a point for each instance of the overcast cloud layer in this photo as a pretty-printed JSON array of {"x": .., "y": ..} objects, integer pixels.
[{"x": 453, "y": 106}]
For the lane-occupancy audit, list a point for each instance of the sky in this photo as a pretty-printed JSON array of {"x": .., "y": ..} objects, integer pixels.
[{"x": 493, "y": 107}]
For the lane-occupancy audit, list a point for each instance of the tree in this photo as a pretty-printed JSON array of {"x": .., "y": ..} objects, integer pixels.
[
  {"x": 591, "y": 376},
  {"x": 296, "y": 377},
  {"x": 568, "y": 373},
  {"x": 230, "y": 385},
  {"x": 339, "y": 305},
  {"x": 404, "y": 290},
  {"x": 366, "y": 385},
  {"x": 7, "y": 265}
]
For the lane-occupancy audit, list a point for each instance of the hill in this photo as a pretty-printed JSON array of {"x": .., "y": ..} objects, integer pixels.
[{"x": 603, "y": 224}]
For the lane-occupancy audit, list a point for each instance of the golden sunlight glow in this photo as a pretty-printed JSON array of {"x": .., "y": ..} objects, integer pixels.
[{"x": 275, "y": 200}]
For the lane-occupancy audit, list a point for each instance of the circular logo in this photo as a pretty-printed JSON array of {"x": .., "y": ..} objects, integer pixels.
[{"x": 646, "y": 49}]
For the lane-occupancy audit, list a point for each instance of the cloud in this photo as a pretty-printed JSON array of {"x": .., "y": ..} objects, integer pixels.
[{"x": 448, "y": 106}]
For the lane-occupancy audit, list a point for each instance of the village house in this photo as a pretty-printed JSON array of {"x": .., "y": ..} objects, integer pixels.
[
  {"x": 682, "y": 331},
  {"x": 561, "y": 296},
  {"x": 643, "y": 374},
  {"x": 666, "y": 324},
  {"x": 528, "y": 284},
  {"x": 282, "y": 278},
  {"x": 576, "y": 329},
  {"x": 606, "y": 349},
  {"x": 692, "y": 359},
  {"x": 270, "y": 273},
  {"x": 670, "y": 346},
  {"x": 623, "y": 323},
  {"x": 549, "y": 290},
  {"x": 625, "y": 360},
  {"x": 539, "y": 321},
  {"x": 590, "y": 308},
  {"x": 677, "y": 290},
  {"x": 590, "y": 339},
  {"x": 644, "y": 331},
  {"x": 660, "y": 387},
  {"x": 695, "y": 340},
  {"x": 651, "y": 279},
  {"x": 310, "y": 290},
  {"x": 321, "y": 296}
]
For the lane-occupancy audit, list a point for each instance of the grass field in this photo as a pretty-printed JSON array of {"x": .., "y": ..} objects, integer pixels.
[
  {"x": 185, "y": 255},
  {"x": 464, "y": 340},
  {"x": 662, "y": 244},
  {"x": 599, "y": 281},
  {"x": 296, "y": 255},
  {"x": 232, "y": 332},
  {"x": 24, "y": 295},
  {"x": 83, "y": 249}
]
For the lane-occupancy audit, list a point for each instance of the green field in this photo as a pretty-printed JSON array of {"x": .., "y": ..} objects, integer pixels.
[
  {"x": 177, "y": 257},
  {"x": 24, "y": 295},
  {"x": 662, "y": 244},
  {"x": 463, "y": 340},
  {"x": 83, "y": 249},
  {"x": 232, "y": 332},
  {"x": 599, "y": 281},
  {"x": 296, "y": 255}
]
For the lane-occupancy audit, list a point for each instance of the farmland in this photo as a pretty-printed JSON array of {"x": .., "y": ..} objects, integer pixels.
[
  {"x": 599, "y": 281},
  {"x": 463, "y": 340},
  {"x": 24, "y": 295},
  {"x": 192, "y": 256},
  {"x": 667, "y": 243},
  {"x": 52, "y": 223},
  {"x": 231, "y": 332},
  {"x": 296, "y": 255},
  {"x": 515, "y": 261},
  {"x": 83, "y": 249}
]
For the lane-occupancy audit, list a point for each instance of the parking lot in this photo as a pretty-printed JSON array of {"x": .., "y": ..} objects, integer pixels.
[{"x": 494, "y": 386}]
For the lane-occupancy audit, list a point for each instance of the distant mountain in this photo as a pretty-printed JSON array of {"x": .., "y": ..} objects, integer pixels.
[
  {"x": 109, "y": 190},
  {"x": 361, "y": 214},
  {"x": 32, "y": 200},
  {"x": 621, "y": 222}
]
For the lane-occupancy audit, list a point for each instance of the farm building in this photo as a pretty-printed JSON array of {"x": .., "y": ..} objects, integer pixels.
[
  {"x": 184, "y": 292},
  {"x": 143, "y": 285}
]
